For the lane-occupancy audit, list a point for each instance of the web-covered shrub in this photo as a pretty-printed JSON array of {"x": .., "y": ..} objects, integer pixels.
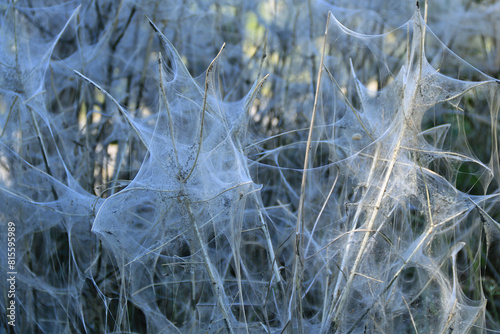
[{"x": 286, "y": 181}]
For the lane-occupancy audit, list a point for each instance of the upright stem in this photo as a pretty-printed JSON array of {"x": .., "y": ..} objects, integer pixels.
[{"x": 299, "y": 229}]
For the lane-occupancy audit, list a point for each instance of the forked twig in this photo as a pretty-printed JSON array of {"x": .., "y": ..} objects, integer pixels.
[{"x": 210, "y": 67}]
